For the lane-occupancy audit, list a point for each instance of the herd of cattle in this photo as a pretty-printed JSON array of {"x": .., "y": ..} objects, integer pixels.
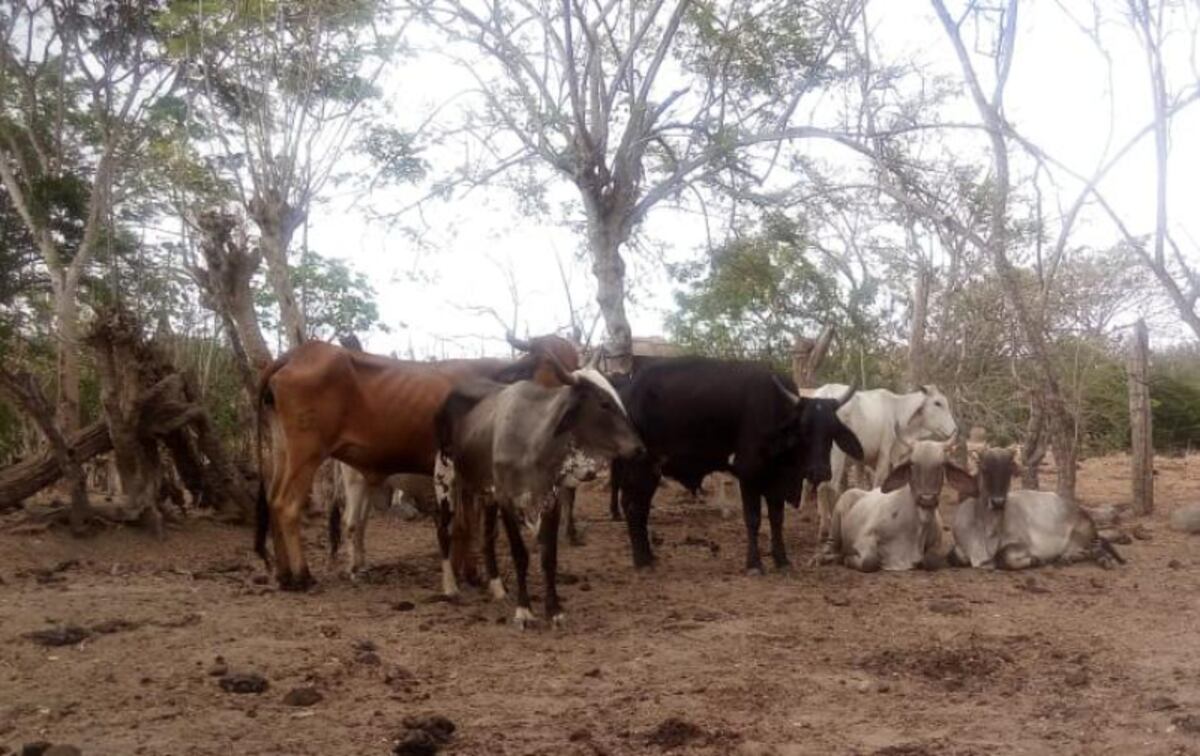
[{"x": 508, "y": 442}]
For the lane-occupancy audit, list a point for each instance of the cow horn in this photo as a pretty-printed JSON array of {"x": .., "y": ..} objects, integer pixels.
[
  {"x": 794, "y": 399},
  {"x": 521, "y": 344},
  {"x": 563, "y": 375},
  {"x": 848, "y": 395}
]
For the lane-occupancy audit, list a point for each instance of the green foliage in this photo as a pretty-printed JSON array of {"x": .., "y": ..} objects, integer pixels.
[
  {"x": 336, "y": 299},
  {"x": 395, "y": 152}
]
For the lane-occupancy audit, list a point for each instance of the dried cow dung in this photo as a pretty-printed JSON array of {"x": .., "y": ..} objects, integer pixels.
[
  {"x": 243, "y": 682},
  {"x": 65, "y": 635}
]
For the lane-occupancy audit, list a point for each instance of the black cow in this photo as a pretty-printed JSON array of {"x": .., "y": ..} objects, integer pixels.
[{"x": 698, "y": 416}]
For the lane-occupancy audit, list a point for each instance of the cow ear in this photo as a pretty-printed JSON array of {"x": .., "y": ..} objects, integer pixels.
[
  {"x": 848, "y": 442},
  {"x": 961, "y": 480},
  {"x": 924, "y": 390},
  {"x": 898, "y": 478}
]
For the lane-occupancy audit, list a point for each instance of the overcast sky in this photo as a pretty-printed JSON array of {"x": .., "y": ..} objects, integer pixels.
[{"x": 430, "y": 295}]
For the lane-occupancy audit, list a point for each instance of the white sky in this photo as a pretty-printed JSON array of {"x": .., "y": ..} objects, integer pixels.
[{"x": 1056, "y": 96}]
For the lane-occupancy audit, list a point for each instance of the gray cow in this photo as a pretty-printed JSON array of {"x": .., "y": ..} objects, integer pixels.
[
  {"x": 1013, "y": 530},
  {"x": 507, "y": 446},
  {"x": 896, "y": 527}
]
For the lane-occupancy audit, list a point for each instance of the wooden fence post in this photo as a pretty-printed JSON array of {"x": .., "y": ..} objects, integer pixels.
[{"x": 1138, "y": 369}]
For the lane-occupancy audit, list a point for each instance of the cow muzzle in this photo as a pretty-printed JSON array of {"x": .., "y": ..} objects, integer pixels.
[
  {"x": 997, "y": 502},
  {"x": 927, "y": 501}
]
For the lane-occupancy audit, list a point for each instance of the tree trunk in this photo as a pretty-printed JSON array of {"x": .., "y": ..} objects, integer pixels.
[
  {"x": 609, "y": 269},
  {"x": 230, "y": 264},
  {"x": 24, "y": 390},
  {"x": 807, "y": 356},
  {"x": 1034, "y": 448},
  {"x": 66, "y": 317},
  {"x": 277, "y": 221},
  {"x": 25, "y": 478},
  {"x": 1140, "y": 420},
  {"x": 916, "y": 335}
]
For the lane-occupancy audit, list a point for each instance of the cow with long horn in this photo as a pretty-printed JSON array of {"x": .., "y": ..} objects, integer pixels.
[{"x": 698, "y": 416}]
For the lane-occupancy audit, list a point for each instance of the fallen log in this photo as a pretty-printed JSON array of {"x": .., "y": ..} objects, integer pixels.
[{"x": 25, "y": 478}]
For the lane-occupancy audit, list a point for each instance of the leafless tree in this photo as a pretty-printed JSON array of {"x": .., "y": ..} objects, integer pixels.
[{"x": 639, "y": 103}]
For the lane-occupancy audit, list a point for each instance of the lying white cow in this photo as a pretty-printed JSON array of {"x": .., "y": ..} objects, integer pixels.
[
  {"x": 1019, "y": 529},
  {"x": 881, "y": 421},
  {"x": 896, "y": 527}
]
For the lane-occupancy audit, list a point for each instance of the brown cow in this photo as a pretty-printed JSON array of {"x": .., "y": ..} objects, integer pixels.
[{"x": 373, "y": 413}]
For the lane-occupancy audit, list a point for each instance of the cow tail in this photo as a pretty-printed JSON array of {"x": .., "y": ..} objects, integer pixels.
[
  {"x": 262, "y": 400},
  {"x": 335, "y": 526}
]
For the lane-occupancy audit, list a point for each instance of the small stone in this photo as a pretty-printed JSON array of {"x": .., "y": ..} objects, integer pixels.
[
  {"x": 219, "y": 667},
  {"x": 306, "y": 696},
  {"x": 837, "y": 600},
  {"x": 579, "y": 736},
  {"x": 1142, "y": 533},
  {"x": 260, "y": 579},
  {"x": 243, "y": 682},
  {"x": 62, "y": 750},
  {"x": 438, "y": 727},
  {"x": 36, "y": 748},
  {"x": 369, "y": 658},
  {"x": 364, "y": 645},
  {"x": 404, "y": 606},
  {"x": 1120, "y": 538},
  {"x": 1175, "y": 564},
  {"x": 594, "y": 672},
  {"x": 1077, "y": 679},
  {"x": 65, "y": 635}
]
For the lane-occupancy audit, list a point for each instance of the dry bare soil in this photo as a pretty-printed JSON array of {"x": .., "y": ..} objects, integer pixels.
[{"x": 693, "y": 657}]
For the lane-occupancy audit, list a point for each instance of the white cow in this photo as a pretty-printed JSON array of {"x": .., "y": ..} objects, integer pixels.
[
  {"x": 879, "y": 418},
  {"x": 897, "y": 526}
]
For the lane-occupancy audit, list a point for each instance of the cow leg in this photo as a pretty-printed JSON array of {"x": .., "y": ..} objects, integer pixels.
[
  {"x": 567, "y": 502},
  {"x": 614, "y": 487},
  {"x": 1015, "y": 556},
  {"x": 495, "y": 584},
  {"x": 548, "y": 536},
  {"x": 775, "y": 517},
  {"x": 752, "y": 514},
  {"x": 443, "y": 491},
  {"x": 638, "y": 484},
  {"x": 864, "y": 557},
  {"x": 520, "y": 557},
  {"x": 291, "y": 569},
  {"x": 827, "y": 493},
  {"x": 376, "y": 497},
  {"x": 357, "y": 494}
]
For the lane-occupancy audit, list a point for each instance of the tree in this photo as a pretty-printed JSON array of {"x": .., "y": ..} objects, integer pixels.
[
  {"x": 282, "y": 93},
  {"x": 758, "y": 294},
  {"x": 637, "y": 103},
  {"x": 77, "y": 82}
]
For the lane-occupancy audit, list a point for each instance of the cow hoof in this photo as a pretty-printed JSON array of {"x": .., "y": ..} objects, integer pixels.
[
  {"x": 496, "y": 588},
  {"x": 523, "y": 618},
  {"x": 296, "y": 584},
  {"x": 559, "y": 622},
  {"x": 754, "y": 572}
]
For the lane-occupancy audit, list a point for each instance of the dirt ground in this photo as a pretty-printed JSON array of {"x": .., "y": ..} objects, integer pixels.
[{"x": 693, "y": 657}]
